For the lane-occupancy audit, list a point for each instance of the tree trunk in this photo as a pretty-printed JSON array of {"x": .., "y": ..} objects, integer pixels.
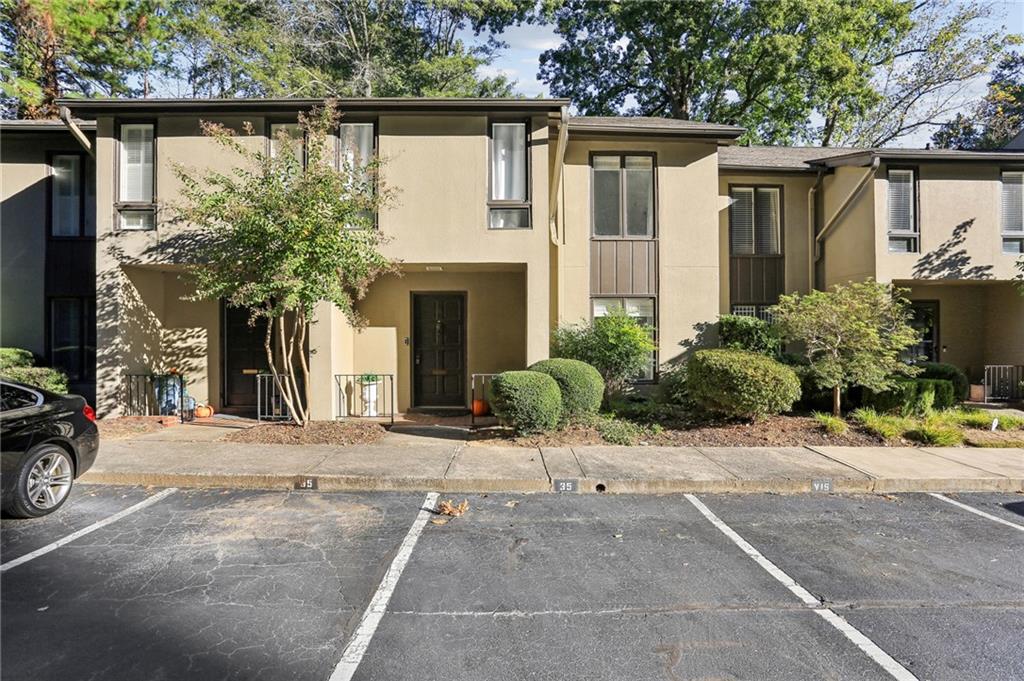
[
  {"x": 836, "y": 406},
  {"x": 272, "y": 364}
]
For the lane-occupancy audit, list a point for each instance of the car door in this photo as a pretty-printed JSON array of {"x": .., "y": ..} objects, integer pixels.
[{"x": 21, "y": 418}]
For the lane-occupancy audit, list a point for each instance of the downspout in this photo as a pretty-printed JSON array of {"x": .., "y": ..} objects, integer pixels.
[
  {"x": 76, "y": 132},
  {"x": 812, "y": 223},
  {"x": 868, "y": 174},
  {"x": 556, "y": 180}
]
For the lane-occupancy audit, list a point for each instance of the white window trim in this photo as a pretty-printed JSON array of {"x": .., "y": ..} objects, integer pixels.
[
  {"x": 1011, "y": 235},
  {"x": 914, "y": 234}
]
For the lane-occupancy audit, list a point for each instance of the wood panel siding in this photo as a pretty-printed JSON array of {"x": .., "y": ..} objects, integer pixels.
[
  {"x": 623, "y": 267},
  {"x": 757, "y": 279}
]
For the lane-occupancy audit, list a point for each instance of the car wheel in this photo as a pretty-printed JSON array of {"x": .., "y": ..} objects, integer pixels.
[{"x": 44, "y": 483}]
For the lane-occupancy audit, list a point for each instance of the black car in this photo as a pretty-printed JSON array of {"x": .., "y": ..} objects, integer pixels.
[{"x": 47, "y": 441}]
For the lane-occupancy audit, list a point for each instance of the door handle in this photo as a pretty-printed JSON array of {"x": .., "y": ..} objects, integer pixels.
[{"x": 418, "y": 357}]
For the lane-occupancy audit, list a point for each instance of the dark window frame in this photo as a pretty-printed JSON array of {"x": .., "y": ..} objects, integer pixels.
[
  {"x": 83, "y": 186},
  {"x": 916, "y": 235},
  {"x": 782, "y": 220},
  {"x": 268, "y": 135},
  {"x": 121, "y": 206},
  {"x": 83, "y": 334},
  {"x": 506, "y": 204},
  {"x": 375, "y": 151},
  {"x": 656, "y": 371},
  {"x": 936, "y": 306},
  {"x": 622, "y": 235},
  {"x": 1005, "y": 237}
]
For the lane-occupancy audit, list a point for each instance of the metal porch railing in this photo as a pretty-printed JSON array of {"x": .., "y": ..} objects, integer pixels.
[
  {"x": 1004, "y": 382},
  {"x": 270, "y": 405},
  {"x": 158, "y": 395},
  {"x": 366, "y": 395},
  {"x": 479, "y": 406}
]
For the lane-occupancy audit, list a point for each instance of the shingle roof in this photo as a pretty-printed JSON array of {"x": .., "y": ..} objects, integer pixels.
[
  {"x": 644, "y": 125},
  {"x": 776, "y": 158}
]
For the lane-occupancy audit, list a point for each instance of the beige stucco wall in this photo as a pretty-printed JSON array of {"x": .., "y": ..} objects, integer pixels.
[
  {"x": 496, "y": 327},
  {"x": 1004, "y": 325},
  {"x": 687, "y": 206},
  {"x": 849, "y": 245}
]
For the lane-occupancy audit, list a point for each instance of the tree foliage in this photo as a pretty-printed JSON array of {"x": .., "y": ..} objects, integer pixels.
[
  {"x": 282, "y": 235},
  {"x": 852, "y": 335},
  {"x": 997, "y": 118}
]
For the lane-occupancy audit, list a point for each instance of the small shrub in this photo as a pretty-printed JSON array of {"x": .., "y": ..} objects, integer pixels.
[
  {"x": 672, "y": 388},
  {"x": 15, "y": 357},
  {"x": 833, "y": 425},
  {"x": 749, "y": 333},
  {"x": 619, "y": 431},
  {"x": 741, "y": 384},
  {"x": 935, "y": 432},
  {"x": 948, "y": 372},
  {"x": 42, "y": 377},
  {"x": 909, "y": 396},
  {"x": 616, "y": 345},
  {"x": 528, "y": 401},
  {"x": 885, "y": 426},
  {"x": 581, "y": 385},
  {"x": 943, "y": 394}
]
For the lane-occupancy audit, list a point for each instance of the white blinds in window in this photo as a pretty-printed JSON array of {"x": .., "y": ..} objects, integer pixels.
[
  {"x": 767, "y": 221},
  {"x": 741, "y": 217},
  {"x": 508, "y": 162},
  {"x": 901, "y": 201},
  {"x": 66, "y": 200},
  {"x": 137, "y": 163},
  {"x": 1013, "y": 203}
]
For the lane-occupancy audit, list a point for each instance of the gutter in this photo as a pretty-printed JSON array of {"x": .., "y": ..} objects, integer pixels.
[
  {"x": 812, "y": 221},
  {"x": 818, "y": 240},
  {"x": 556, "y": 180},
  {"x": 76, "y": 132}
]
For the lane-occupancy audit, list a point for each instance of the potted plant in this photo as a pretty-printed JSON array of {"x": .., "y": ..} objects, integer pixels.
[{"x": 369, "y": 390}]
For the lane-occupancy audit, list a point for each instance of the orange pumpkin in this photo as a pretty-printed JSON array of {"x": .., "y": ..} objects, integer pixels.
[
  {"x": 204, "y": 411},
  {"x": 481, "y": 408}
]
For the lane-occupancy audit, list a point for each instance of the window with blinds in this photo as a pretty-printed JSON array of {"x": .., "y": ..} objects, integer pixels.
[
  {"x": 509, "y": 198},
  {"x": 66, "y": 195},
  {"x": 903, "y": 234},
  {"x": 136, "y": 173},
  {"x": 1012, "y": 213},
  {"x": 755, "y": 221}
]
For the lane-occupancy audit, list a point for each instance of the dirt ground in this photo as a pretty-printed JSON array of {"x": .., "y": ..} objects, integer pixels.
[
  {"x": 315, "y": 433},
  {"x": 124, "y": 427}
]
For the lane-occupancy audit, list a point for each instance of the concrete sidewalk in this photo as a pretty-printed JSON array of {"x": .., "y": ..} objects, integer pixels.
[{"x": 410, "y": 463}]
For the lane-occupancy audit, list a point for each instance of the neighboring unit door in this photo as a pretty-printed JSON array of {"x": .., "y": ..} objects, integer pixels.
[
  {"x": 439, "y": 350},
  {"x": 244, "y": 358}
]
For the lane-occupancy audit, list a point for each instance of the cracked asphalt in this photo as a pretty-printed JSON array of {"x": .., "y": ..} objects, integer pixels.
[{"x": 219, "y": 584}]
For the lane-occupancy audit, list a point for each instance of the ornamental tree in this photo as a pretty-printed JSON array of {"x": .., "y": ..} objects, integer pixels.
[
  {"x": 284, "y": 231},
  {"x": 852, "y": 335}
]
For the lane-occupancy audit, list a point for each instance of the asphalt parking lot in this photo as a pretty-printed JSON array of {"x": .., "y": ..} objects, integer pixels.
[{"x": 218, "y": 584}]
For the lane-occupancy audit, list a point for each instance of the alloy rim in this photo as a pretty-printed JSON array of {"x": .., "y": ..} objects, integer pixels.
[{"x": 49, "y": 481}]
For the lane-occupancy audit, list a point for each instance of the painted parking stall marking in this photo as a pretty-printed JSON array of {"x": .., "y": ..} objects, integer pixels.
[
  {"x": 854, "y": 635},
  {"x": 363, "y": 634},
  {"x": 976, "y": 511},
  {"x": 87, "y": 530}
]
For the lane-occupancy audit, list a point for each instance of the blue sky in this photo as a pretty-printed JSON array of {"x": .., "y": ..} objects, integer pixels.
[{"x": 520, "y": 61}]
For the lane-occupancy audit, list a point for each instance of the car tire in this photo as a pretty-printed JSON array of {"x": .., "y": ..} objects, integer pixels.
[{"x": 45, "y": 467}]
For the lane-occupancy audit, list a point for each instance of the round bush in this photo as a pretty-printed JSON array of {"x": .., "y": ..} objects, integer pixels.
[
  {"x": 948, "y": 372},
  {"x": 581, "y": 385},
  {"x": 528, "y": 401},
  {"x": 741, "y": 384}
]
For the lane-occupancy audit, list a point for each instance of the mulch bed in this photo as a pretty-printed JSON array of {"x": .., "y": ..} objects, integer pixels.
[
  {"x": 999, "y": 438},
  {"x": 124, "y": 427},
  {"x": 340, "y": 433}
]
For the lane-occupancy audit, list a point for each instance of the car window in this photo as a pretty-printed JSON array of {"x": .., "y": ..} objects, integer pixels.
[{"x": 12, "y": 397}]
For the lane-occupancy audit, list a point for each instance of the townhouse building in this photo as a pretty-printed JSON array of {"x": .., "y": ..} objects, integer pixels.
[{"x": 513, "y": 217}]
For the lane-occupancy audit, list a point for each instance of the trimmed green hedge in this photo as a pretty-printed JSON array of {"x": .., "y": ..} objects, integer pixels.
[
  {"x": 42, "y": 377},
  {"x": 740, "y": 332},
  {"x": 741, "y": 384},
  {"x": 528, "y": 401},
  {"x": 581, "y": 385},
  {"x": 15, "y": 357},
  {"x": 949, "y": 372},
  {"x": 912, "y": 396}
]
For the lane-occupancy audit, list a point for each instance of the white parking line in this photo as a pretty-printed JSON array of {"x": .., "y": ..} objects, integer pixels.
[
  {"x": 360, "y": 640},
  {"x": 86, "y": 530},
  {"x": 977, "y": 511},
  {"x": 854, "y": 635}
]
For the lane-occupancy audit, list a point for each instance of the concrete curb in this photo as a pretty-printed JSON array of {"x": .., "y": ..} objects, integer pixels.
[{"x": 352, "y": 483}]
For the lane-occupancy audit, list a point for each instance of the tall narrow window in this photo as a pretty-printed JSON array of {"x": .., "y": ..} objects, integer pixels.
[
  {"x": 290, "y": 132},
  {"x": 355, "y": 151},
  {"x": 509, "y": 204},
  {"x": 1013, "y": 213},
  {"x": 903, "y": 234},
  {"x": 623, "y": 195},
  {"x": 136, "y": 200},
  {"x": 640, "y": 309},
  {"x": 66, "y": 195},
  {"x": 755, "y": 221},
  {"x": 73, "y": 337}
]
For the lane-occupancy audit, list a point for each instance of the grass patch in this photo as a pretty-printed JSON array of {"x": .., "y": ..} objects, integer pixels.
[
  {"x": 936, "y": 431},
  {"x": 619, "y": 431},
  {"x": 833, "y": 425},
  {"x": 885, "y": 426},
  {"x": 981, "y": 420}
]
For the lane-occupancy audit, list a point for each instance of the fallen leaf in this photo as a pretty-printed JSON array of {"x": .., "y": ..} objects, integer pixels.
[
  {"x": 448, "y": 507},
  {"x": 440, "y": 521},
  {"x": 511, "y": 504}
]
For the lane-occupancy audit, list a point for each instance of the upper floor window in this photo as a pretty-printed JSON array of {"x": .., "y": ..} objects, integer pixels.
[
  {"x": 136, "y": 197},
  {"x": 509, "y": 201},
  {"x": 1013, "y": 212},
  {"x": 291, "y": 133},
  {"x": 755, "y": 221},
  {"x": 355, "y": 151},
  {"x": 903, "y": 233},
  {"x": 623, "y": 195},
  {"x": 72, "y": 196}
]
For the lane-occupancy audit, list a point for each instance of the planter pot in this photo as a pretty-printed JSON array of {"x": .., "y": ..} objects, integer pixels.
[
  {"x": 481, "y": 407},
  {"x": 370, "y": 399},
  {"x": 977, "y": 392}
]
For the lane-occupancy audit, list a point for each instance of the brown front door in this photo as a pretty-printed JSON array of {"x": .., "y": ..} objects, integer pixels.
[
  {"x": 244, "y": 357},
  {"x": 439, "y": 349}
]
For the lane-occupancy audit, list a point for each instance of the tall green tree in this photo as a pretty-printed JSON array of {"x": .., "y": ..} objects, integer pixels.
[
  {"x": 57, "y": 48},
  {"x": 997, "y": 118},
  {"x": 282, "y": 234}
]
